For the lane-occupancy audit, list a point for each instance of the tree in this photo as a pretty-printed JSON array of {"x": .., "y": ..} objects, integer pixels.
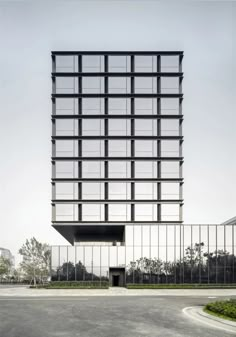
[
  {"x": 5, "y": 266},
  {"x": 36, "y": 259}
]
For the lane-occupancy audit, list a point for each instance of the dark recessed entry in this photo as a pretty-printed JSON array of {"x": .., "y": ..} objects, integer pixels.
[{"x": 117, "y": 276}]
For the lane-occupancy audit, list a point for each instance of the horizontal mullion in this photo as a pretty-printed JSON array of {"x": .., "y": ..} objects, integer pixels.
[
  {"x": 117, "y": 116},
  {"x": 117, "y": 74},
  {"x": 117, "y": 158},
  {"x": 114, "y": 223},
  {"x": 104, "y": 95},
  {"x": 66, "y": 180},
  {"x": 117, "y": 201},
  {"x": 116, "y": 137},
  {"x": 125, "y": 53}
]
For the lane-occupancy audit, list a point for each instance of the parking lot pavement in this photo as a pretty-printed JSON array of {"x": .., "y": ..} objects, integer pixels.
[{"x": 102, "y": 316}]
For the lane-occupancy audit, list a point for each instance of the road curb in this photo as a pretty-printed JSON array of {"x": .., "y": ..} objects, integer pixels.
[{"x": 197, "y": 314}]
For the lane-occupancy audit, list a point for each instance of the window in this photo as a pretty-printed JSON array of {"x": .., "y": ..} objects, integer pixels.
[
  {"x": 145, "y": 106},
  {"x": 93, "y": 191},
  {"x": 66, "y": 106},
  {"x": 93, "y": 106},
  {"x": 119, "y": 63},
  {"x": 93, "y": 63},
  {"x": 170, "y": 169},
  {"x": 119, "y": 169},
  {"x": 66, "y": 212},
  {"x": 145, "y": 148},
  {"x": 145, "y": 63},
  {"x": 119, "y": 85},
  {"x": 169, "y": 106},
  {"x": 119, "y": 212},
  {"x": 93, "y": 169},
  {"x": 93, "y": 148},
  {"x": 170, "y": 63},
  {"x": 93, "y": 85},
  {"x": 170, "y": 191},
  {"x": 66, "y": 169},
  {"x": 119, "y": 127},
  {"x": 93, "y": 127},
  {"x": 119, "y": 191},
  {"x": 170, "y": 212},
  {"x": 93, "y": 212},
  {"x": 146, "y": 85},
  {"x": 66, "y": 127},
  {"x": 145, "y": 191},
  {"x": 170, "y": 85},
  {"x": 145, "y": 127},
  {"x": 145, "y": 169},
  {"x": 145, "y": 212},
  {"x": 119, "y": 148},
  {"x": 119, "y": 106},
  {"x": 170, "y": 127},
  {"x": 66, "y": 63},
  {"x": 170, "y": 148},
  {"x": 66, "y": 85},
  {"x": 66, "y": 191},
  {"x": 66, "y": 148}
]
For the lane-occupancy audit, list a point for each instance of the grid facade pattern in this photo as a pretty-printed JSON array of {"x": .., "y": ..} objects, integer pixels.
[{"x": 117, "y": 137}]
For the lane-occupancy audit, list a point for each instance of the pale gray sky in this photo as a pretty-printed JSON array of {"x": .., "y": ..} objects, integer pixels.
[{"x": 204, "y": 30}]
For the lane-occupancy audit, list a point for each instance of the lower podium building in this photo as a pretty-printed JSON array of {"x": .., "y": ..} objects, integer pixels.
[{"x": 117, "y": 174}]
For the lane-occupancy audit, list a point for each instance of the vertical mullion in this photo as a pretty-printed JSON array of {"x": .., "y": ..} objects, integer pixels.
[
  {"x": 106, "y": 133},
  {"x": 132, "y": 133},
  {"x": 80, "y": 133},
  {"x": 159, "y": 217}
]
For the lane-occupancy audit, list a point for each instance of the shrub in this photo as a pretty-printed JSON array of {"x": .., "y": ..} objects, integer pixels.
[
  {"x": 74, "y": 285},
  {"x": 223, "y": 308}
]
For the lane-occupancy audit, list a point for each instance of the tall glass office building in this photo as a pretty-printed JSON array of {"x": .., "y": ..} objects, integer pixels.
[{"x": 117, "y": 173}]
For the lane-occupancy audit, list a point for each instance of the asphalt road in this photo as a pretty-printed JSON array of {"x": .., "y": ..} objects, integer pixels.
[{"x": 101, "y": 316}]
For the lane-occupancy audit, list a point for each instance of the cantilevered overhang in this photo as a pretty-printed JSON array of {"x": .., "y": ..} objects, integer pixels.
[{"x": 91, "y": 232}]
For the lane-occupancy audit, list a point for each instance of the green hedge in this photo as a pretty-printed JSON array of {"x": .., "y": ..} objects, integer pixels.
[
  {"x": 75, "y": 285},
  {"x": 178, "y": 286},
  {"x": 224, "y": 309}
]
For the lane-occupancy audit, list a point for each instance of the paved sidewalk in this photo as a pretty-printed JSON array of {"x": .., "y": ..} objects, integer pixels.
[
  {"x": 25, "y": 291},
  {"x": 197, "y": 313}
]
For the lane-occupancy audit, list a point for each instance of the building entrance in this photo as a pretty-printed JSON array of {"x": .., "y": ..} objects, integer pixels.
[{"x": 116, "y": 277}]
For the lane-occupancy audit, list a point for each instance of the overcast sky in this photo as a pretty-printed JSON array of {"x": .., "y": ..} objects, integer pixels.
[{"x": 29, "y": 31}]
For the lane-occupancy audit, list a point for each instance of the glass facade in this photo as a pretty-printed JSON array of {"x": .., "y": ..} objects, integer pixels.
[{"x": 155, "y": 254}]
